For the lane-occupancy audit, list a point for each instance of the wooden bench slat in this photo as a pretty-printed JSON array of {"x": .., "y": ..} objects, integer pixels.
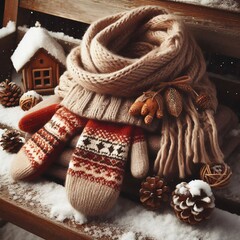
[
  {"x": 10, "y": 11},
  {"x": 216, "y": 30},
  {"x": 28, "y": 218},
  {"x": 91, "y": 10}
]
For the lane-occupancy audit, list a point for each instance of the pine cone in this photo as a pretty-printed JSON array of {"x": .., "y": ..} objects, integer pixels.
[
  {"x": 154, "y": 192},
  {"x": 10, "y": 94},
  {"x": 11, "y": 141},
  {"x": 193, "y": 202}
]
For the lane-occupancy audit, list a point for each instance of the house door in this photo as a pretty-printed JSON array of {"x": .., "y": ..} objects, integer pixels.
[{"x": 42, "y": 78}]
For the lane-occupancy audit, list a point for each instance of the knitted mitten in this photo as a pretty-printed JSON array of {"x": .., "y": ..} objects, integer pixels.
[
  {"x": 41, "y": 149},
  {"x": 39, "y": 115},
  {"x": 96, "y": 169}
]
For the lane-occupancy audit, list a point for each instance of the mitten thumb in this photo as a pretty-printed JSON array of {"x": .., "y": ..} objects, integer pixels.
[
  {"x": 139, "y": 154},
  {"x": 39, "y": 115}
]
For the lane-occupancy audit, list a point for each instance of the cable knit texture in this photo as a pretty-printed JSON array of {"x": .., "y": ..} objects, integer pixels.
[{"x": 125, "y": 54}]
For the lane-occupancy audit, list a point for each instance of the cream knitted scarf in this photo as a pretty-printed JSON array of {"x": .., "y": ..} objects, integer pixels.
[{"x": 124, "y": 55}]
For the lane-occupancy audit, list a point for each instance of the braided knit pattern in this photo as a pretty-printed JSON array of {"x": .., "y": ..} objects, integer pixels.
[{"x": 126, "y": 54}]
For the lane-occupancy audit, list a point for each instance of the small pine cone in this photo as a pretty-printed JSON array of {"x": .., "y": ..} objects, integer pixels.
[
  {"x": 216, "y": 175},
  {"x": 193, "y": 202},
  {"x": 154, "y": 192},
  {"x": 10, "y": 94},
  {"x": 203, "y": 101},
  {"x": 11, "y": 141}
]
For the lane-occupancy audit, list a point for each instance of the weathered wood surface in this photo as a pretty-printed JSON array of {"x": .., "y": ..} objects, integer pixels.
[
  {"x": 216, "y": 30},
  {"x": 31, "y": 219},
  {"x": 10, "y": 11}
]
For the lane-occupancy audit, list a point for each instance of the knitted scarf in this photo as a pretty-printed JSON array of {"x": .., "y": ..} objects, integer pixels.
[{"x": 126, "y": 54}]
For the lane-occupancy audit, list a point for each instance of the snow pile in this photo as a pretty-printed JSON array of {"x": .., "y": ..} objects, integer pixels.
[
  {"x": 195, "y": 187},
  {"x": 34, "y": 39},
  {"x": 232, "y": 5},
  {"x": 10, "y": 28},
  {"x": 165, "y": 225},
  {"x": 47, "y": 194},
  {"x": 11, "y": 115}
]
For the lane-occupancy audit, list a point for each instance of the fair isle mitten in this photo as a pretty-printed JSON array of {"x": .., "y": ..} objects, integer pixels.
[
  {"x": 43, "y": 147},
  {"x": 97, "y": 166}
]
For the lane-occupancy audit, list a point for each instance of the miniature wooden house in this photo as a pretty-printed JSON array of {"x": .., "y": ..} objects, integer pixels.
[{"x": 41, "y": 60}]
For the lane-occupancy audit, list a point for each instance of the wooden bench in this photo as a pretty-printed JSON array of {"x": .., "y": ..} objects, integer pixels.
[{"x": 217, "y": 31}]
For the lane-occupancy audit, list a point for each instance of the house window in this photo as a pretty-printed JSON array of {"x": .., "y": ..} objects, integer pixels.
[{"x": 42, "y": 78}]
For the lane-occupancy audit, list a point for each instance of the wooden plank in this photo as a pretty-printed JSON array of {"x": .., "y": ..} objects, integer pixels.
[
  {"x": 10, "y": 11},
  {"x": 91, "y": 10},
  {"x": 215, "y": 30},
  {"x": 29, "y": 219}
]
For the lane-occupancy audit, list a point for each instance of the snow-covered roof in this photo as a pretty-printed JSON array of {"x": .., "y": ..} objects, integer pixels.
[
  {"x": 34, "y": 39},
  {"x": 10, "y": 28}
]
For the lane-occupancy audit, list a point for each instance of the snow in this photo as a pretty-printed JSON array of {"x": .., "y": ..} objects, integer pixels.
[
  {"x": 127, "y": 220},
  {"x": 32, "y": 93},
  {"x": 10, "y": 116},
  {"x": 195, "y": 187},
  {"x": 10, "y": 28},
  {"x": 128, "y": 236},
  {"x": 57, "y": 35},
  {"x": 34, "y": 39},
  {"x": 232, "y": 5}
]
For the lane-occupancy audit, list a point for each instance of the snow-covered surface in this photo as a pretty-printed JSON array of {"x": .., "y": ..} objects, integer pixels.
[
  {"x": 136, "y": 222},
  {"x": 10, "y": 116},
  {"x": 34, "y": 39},
  {"x": 232, "y": 5},
  {"x": 10, "y": 28}
]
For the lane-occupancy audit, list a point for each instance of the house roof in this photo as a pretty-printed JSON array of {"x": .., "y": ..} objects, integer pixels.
[{"x": 34, "y": 39}]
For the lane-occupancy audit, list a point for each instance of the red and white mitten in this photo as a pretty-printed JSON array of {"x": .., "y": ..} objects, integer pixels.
[
  {"x": 97, "y": 167},
  {"x": 43, "y": 147}
]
